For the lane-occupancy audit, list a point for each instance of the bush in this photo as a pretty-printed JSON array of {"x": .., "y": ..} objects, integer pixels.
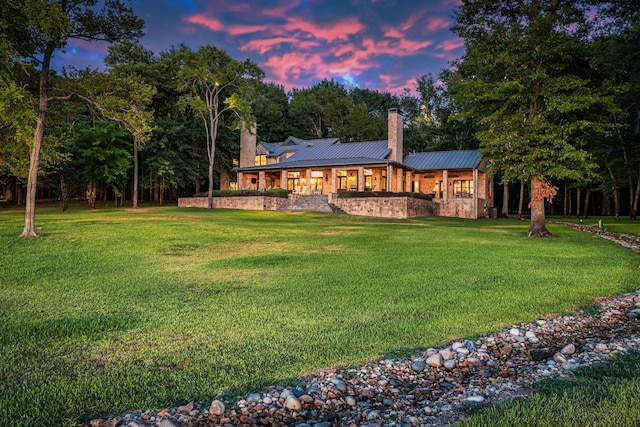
[{"x": 353, "y": 194}]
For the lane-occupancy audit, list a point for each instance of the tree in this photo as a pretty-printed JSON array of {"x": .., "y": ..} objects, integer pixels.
[
  {"x": 33, "y": 30},
  {"x": 528, "y": 78},
  {"x": 214, "y": 85},
  {"x": 124, "y": 99}
]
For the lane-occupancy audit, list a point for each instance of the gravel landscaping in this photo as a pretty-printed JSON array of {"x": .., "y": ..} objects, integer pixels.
[{"x": 431, "y": 389}]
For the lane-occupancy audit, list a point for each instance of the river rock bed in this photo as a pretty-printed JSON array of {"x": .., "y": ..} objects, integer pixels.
[{"x": 429, "y": 389}]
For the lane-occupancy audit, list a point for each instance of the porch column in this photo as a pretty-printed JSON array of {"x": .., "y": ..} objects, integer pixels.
[
  {"x": 283, "y": 179},
  {"x": 400, "y": 180},
  {"x": 240, "y": 180},
  {"x": 475, "y": 193},
  {"x": 360, "y": 179},
  {"x": 445, "y": 184},
  {"x": 409, "y": 186},
  {"x": 334, "y": 179},
  {"x": 261, "y": 181},
  {"x": 307, "y": 180},
  {"x": 389, "y": 178}
]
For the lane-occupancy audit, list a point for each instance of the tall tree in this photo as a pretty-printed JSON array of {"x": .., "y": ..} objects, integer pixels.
[
  {"x": 125, "y": 99},
  {"x": 215, "y": 85},
  {"x": 527, "y": 77},
  {"x": 33, "y": 30}
]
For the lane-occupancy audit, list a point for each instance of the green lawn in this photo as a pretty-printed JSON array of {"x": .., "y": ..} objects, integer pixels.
[
  {"x": 116, "y": 309},
  {"x": 622, "y": 225}
]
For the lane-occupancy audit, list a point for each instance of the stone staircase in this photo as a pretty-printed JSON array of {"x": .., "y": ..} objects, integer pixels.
[{"x": 305, "y": 203}]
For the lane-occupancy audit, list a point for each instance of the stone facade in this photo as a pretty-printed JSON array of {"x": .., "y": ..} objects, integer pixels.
[{"x": 381, "y": 207}]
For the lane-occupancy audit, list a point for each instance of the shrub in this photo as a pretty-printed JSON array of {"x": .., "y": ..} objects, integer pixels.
[{"x": 353, "y": 194}]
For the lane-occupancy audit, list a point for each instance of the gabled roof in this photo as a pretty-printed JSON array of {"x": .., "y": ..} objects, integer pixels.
[
  {"x": 322, "y": 150},
  {"x": 461, "y": 159}
]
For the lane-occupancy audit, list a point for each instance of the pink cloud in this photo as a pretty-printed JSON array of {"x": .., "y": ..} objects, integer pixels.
[
  {"x": 338, "y": 30},
  {"x": 436, "y": 24},
  {"x": 451, "y": 44},
  {"x": 210, "y": 23},
  {"x": 236, "y": 30},
  {"x": 263, "y": 46}
]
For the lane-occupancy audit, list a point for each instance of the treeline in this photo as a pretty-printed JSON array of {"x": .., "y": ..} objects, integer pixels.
[{"x": 541, "y": 77}]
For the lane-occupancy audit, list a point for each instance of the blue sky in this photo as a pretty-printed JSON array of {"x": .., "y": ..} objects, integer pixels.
[{"x": 377, "y": 44}]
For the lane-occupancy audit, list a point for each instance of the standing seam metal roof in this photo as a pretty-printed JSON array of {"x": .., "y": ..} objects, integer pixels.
[{"x": 462, "y": 159}]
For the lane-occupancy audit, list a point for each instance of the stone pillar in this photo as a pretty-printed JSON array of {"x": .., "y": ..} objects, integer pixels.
[
  {"x": 247, "y": 146},
  {"x": 389, "y": 178},
  {"x": 360, "y": 179},
  {"x": 283, "y": 179},
  {"x": 400, "y": 181},
  {"x": 307, "y": 181},
  {"x": 261, "y": 181},
  {"x": 409, "y": 181},
  {"x": 445, "y": 184},
  {"x": 334, "y": 180},
  {"x": 475, "y": 193},
  {"x": 394, "y": 135}
]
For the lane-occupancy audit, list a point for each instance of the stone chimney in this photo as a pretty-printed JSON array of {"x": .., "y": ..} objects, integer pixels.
[
  {"x": 395, "y": 127},
  {"x": 247, "y": 145}
]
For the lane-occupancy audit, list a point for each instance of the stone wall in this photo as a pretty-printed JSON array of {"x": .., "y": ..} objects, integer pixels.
[
  {"x": 386, "y": 207},
  {"x": 253, "y": 203},
  {"x": 462, "y": 208}
]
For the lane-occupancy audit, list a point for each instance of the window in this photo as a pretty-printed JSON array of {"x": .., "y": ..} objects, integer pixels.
[
  {"x": 463, "y": 188},
  {"x": 342, "y": 180},
  {"x": 261, "y": 160}
]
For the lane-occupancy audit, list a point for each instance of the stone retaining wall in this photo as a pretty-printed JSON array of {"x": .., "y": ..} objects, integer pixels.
[
  {"x": 381, "y": 207},
  {"x": 252, "y": 203},
  {"x": 386, "y": 207}
]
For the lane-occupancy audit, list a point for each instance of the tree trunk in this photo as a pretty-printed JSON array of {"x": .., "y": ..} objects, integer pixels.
[
  {"x": 210, "y": 193},
  {"x": 63, "y": 194},
  {"x": 616, "y": 202},
  {"x": 161, "y": 190},
  {"x": 578, "y": 194},
  {"x": 605, "y": 208},
  {"x": 34, "y": 157},
  {"x": 134, "y": 193},
  {"x": 19, "y": 194},
  {"x": 505, "y": 200},
  {"x": 634, "y": 208},
  {"x": 521, "y": 203},
  {"x": 539, "y": 192},
  {"x": 585, "y": 213},
  {"x": 564, "y": 203}
]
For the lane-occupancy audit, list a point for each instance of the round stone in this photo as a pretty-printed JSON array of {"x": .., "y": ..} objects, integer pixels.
[
  {"x": 418, "y": 365},
  {"x": 350, "y": 400},
  {"x": 216, "y": 408},
  {"x": 254, "y": 398},
  {"x": 449, "y": 364},
  {"x": 340, "y": 385},
  {"x": 559, "y": 358},
  {"x": 435, "y": 360},
  {"x": 568, "y": 349},
  {"x": 293, "y": 404},
  {"x": 515, "y": 332},
  {"x": 475, "y": 399}
]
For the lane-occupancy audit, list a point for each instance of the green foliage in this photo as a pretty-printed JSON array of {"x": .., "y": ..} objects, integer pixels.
[
  {"x": 358, "y": 194},
  {"x": 528, "y": 79}
]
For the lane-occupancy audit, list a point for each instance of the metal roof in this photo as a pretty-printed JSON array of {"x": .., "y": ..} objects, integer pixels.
[
  {"x": 377, "y": 150},
  {"x": 461, "y": 159}
]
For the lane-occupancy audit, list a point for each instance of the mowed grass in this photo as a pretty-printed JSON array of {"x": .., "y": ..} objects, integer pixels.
[
  {"x": 621, "y": 225},
  {"x": 602, "y": 395},
  {"x": 112, "y": 310}
]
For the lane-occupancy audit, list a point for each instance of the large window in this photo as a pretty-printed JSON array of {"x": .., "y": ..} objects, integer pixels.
[
  {"x": 293, "y": 181},
  {"x": 463, "y": 188},
  {"x": 261, "y": 160}
]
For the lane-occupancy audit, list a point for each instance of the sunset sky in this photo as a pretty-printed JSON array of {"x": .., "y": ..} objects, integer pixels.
[{"x": 376, "y": 44}]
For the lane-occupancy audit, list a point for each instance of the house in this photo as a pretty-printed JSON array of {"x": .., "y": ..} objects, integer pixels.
[{"x": 457, "y": 180}]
